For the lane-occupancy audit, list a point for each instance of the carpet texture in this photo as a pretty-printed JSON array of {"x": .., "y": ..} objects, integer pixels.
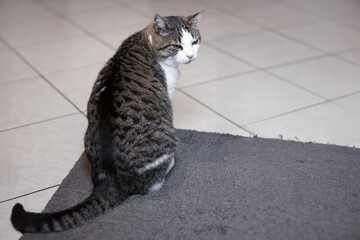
[{"x": 232, "y": 187}]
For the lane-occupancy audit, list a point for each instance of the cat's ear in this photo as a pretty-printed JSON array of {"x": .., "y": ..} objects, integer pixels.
[
  {"x": 194, "y": 19},
  {"x": 162, "y": 27}
]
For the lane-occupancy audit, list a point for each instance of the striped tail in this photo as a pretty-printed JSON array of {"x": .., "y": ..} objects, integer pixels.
[{"x": 93, "y": 206}]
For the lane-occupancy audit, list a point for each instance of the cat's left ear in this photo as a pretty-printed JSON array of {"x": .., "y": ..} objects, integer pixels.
[{"x": 193, "y": 19}]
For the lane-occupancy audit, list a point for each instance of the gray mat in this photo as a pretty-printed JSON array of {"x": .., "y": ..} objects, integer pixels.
[{"x": 231, "y": 187}]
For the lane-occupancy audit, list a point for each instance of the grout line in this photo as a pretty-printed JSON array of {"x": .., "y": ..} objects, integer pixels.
[
  {"x": 338, "y": 21},
  {"x": 220, "y": 115},
  {"x": 44, "y": 42},
  {"x": 100, "y": 64},
  {"x": 348, "y": 50},
  {"x": 276, "y": 31},
  {"x": 230, "y": 55},
  {"x": 297, "y": 61},
  {"x": 19, "y": 80},
  {"x": 286, "y": 113},
  {"x": 344, "y": 96},
  {"x": 60, "y": 40},
  {"x": 346, "y": 109},
  {"x": 30, "y": 193},
  {"x": 324, "y": 17},
  {"x": 134, "y": 10},
  {"x": 234, "y": 35},
  {"x": 348, "y": 61},
  {"x": 299, "y": 24},
  {"x": 41, "y": 121},
  {"x": 332, "y": 100},
  {"x": 219, "y": 79},
  {"x": 38, "y": 72},
  {"x": 294, "y": 84}
]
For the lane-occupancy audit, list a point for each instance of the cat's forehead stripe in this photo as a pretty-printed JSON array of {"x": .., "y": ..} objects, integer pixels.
[{"x": 186, "y": 37}]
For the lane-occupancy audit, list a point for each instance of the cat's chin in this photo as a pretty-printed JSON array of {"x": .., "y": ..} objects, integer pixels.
[{"x": 188, "y": 61}]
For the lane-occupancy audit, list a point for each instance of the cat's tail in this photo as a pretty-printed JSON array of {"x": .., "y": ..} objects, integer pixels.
[{"x": 93, "y": 206}]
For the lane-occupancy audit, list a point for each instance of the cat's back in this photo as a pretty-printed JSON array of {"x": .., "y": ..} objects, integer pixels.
[
  {"x": 140, "y": 84},
  {"x": 132, "y": 76},
  {"x": 129, "y": 101}
]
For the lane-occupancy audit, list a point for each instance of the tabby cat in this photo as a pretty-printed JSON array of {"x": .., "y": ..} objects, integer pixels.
[{"x": 130, "y": 139}]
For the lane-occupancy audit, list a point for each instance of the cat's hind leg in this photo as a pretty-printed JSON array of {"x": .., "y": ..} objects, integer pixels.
[
  {"x": 157, "y": 186},
  {"x": 171, "y": 165}
]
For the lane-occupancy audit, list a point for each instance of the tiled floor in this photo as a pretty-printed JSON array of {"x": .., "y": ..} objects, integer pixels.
[{"x": 273, "y": 68}]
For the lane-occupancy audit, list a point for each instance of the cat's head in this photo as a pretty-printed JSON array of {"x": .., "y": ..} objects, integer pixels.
[{"x": 176, "y": 39}]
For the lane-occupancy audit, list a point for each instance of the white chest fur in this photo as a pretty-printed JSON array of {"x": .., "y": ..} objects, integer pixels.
[{"x": 172, "y": 75}]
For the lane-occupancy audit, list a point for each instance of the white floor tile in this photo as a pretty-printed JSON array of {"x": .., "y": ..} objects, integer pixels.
[
  {"x": 9, "y": 2},
  {"x": 28, "y": 33},
  {"x": 266, "y": 49},
  {"x": 251, "y": 97},
  {"x": 351, "y": 103},
  {"x": 353, "y": 56},
  {"x": 72, "y": 7},
  {"x": 30, "y": 101},
  {"x": 13, "y": 68},
  {"x": 40, "y": 155},
  {"x": 216, "y": 65},
  {"x": 189, "y": 114},
  {"x": 175, "y": 8},
  {"x": 328, "y": 76},
  {"x": 77, "y": 84},
  {"x": 325, "y": 123},
  {"x": 35, "y": 202},
  {"x": 234, "y": 6},
  {"x": 352, "y": 20},
  {"x": 326, "y": 35},
  {"x": 109, "y": 20},
  {"x": 66, "y": 55},
  {"x": 3, "y": 47},
  {"x": 276, "y": 15},
  {"x": 24, "y": 11},
  {"x": 115, "y": 38},
  {"x": 134, "y": 2},
  {"x": 221, "y": 26},
  {"x": 327, "y": 8}
]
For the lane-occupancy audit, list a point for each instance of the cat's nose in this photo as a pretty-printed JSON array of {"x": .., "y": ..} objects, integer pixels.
[{"x": 190, "y": 56}]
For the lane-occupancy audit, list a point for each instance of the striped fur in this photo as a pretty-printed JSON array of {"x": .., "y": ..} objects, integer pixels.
[{"x": 130, "y": 140}]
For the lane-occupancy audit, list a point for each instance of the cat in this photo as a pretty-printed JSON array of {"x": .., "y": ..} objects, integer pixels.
[{"x": 130, "y": 139}]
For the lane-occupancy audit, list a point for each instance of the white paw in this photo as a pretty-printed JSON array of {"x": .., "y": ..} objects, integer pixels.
[
  {"x": 171, "y": 164},
  {"x": 156, "y": 186}
]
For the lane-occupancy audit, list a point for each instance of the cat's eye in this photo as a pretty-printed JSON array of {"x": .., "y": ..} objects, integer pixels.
[
  {"x": 195, "y": 42},
  {"x": 177, "y": 47}
]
